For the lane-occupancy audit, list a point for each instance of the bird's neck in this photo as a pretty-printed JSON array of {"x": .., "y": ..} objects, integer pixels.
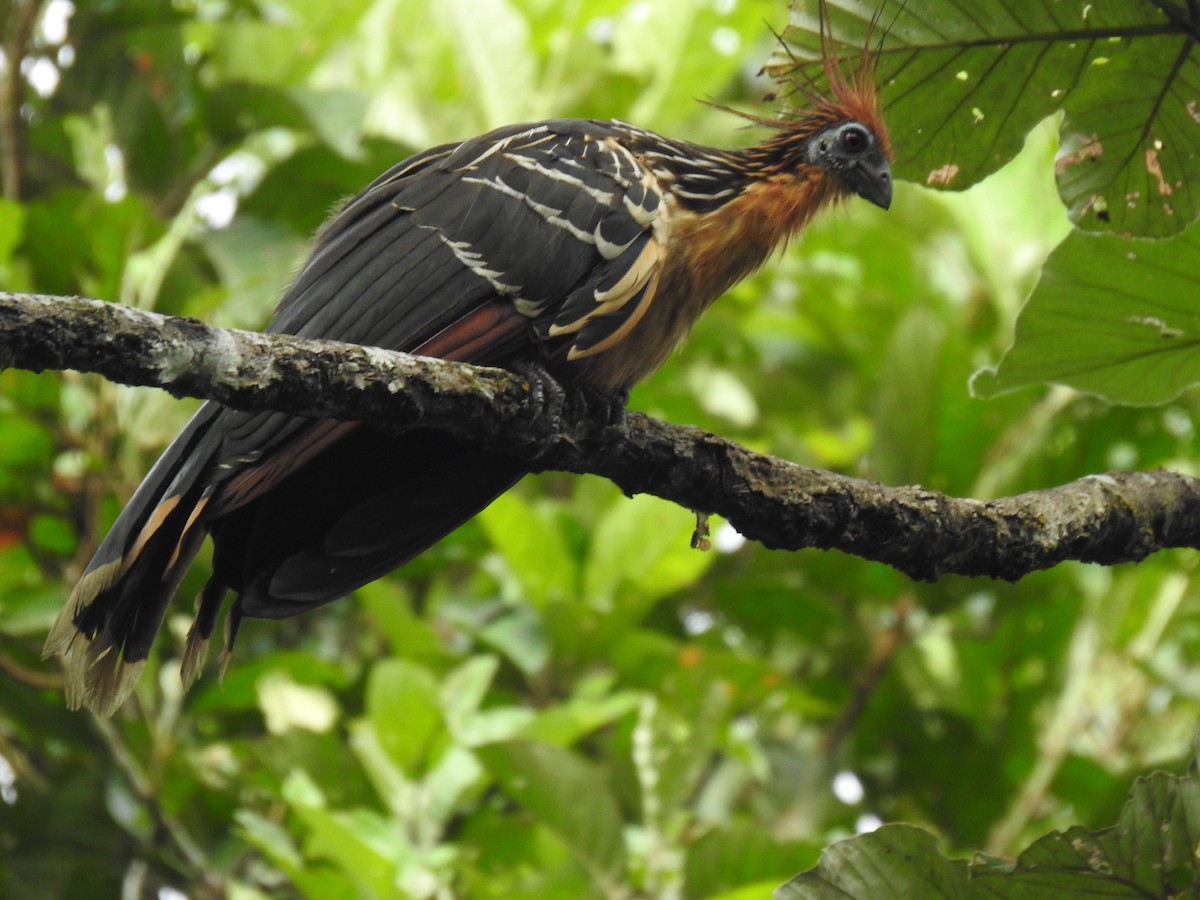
[
  {"x": 702, "y": 179},
  {"x": 740, "y": 205},
  {"x": 768, "y": 193},
  {"x": 732, "y": 208}
]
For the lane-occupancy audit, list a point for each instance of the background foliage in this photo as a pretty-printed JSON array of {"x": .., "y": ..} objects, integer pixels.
[{"x": 563, "y": 699}]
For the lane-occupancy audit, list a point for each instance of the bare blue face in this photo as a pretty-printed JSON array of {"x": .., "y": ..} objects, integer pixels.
[{"x": 851, "y": 152}]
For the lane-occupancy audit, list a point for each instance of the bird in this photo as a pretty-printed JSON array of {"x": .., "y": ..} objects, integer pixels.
[{"x": 585, "y": 248}]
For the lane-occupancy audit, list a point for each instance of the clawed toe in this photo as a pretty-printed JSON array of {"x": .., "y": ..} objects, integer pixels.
[
  {"x": 559, "y": 401},
  {"x": 546, "y": 394}
]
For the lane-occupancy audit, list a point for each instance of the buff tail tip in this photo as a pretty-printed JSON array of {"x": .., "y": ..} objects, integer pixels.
[{"x": 95, "y": 676}]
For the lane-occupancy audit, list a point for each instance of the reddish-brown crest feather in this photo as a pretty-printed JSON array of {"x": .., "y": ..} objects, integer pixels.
[
  {"x": 849, "y": 85},
  {"x": 857, "y": 92}
]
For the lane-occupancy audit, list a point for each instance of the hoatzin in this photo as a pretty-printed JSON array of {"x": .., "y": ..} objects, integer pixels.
[{"x": 586, "y": 247}]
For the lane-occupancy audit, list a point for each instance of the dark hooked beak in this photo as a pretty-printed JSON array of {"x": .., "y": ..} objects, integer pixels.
[{"x": 871, "y": 179}]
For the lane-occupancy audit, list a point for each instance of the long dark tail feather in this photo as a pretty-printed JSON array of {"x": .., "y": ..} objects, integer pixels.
[
  {"x": 363, "y": 507},
  {"x": 105, "y": 630}
]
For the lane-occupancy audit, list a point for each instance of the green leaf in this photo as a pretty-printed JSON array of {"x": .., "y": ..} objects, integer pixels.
[
  {"x": 746, "y": 892},
  {"x": 287, "y": 704},
  {"x": 658, "y": 43},
  {"x": 897, "y": 861},
  {"x": 273, "y": 759},
  {"x": 906, "y": 406},
  {"x": 456, "y": 776},
  {"x": 390, "y": 609},
  {"x": 336, "y": 116},
  {"x": 565, "y": 723},
  {"x": 493, "y": 41},
  {"x": 360, "y": 843},
  {"x": 253, "y": 258},
  {"x": 27, "y": 607},
  {"x": 299, "y": 192},
  {"x": 739, "y": 855},
  {"x": 1111, "y": 317},
  {"x": 722, "y": 393},
  {"x": 25, "y": 441},
  {"x": 533, "y": 545},
  {"x": 519, "y": 634},
  {"x": 677, "y": 735},
  {"x": 240, "y": 108},
  {"x": 12, "y": 228},
  {"x": 239, "y": 689},
  {"x": 404, "y": 709},
  {"x": 52, "y": 534},
  {"x": 463, "y": 690},
  {"x": 568, "y": 796},
  {"x": 964, "y": 82},
  {"x": 1151, "y": 852},
  {"x": 642, "y": 543},
  {"x": 283, "y": 48},
  {"x": 271, "y": 838}
]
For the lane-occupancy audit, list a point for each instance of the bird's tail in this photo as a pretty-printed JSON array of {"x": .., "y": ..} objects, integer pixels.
[{"x": 105, "y": 630}]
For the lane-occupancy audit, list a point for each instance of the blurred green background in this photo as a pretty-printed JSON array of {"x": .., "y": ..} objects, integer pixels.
[{"x": 563, "y": 699}]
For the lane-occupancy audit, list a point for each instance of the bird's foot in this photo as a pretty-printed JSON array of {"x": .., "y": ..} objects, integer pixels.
[
  {"x": 572, "y": 401},
  {"x": 546, "y": 393},
  {"x": 606, "y": 407}
]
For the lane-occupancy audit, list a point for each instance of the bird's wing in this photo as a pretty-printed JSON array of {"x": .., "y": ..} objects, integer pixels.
[
  {"x": 549, "y": 232},
  {"x": 531, "y": 214},
  {"x": 472, "y": 252}
]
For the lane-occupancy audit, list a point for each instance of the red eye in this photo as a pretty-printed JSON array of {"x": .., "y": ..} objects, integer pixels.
[{"x": 854, "y": 140}]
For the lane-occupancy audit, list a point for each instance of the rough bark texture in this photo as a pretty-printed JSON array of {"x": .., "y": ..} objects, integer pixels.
[{"x": 1108, "y": 519}]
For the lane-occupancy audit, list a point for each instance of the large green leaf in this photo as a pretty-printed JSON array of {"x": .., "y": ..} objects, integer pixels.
[
  {"x": 897, "y": 862},
  {"x": 962, "y": 83},
  {"x": 1111, "y": 317},
  {"x": 283, "y": 46},
  {"x": 908, "y": 396},
  {"x": 658, "y": 43},
  {"x": 360, "y": 843},
  {"x": 567, "y": 722},
  {"x": 1150, "y": 852},
  {"x": 503, "y": 82}
]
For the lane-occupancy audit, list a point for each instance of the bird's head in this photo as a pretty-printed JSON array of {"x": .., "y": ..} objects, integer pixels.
[
  {"x": 857, "y": 157},
  {"x": 840, "y": 131}
]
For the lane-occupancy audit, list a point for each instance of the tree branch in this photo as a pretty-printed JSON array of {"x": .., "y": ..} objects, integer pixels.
[{"x": 1108, "y": 519}]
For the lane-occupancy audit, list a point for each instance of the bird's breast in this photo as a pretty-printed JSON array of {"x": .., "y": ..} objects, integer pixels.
[
  {"x": 703, "y": 254},
  {"x": 702, "y": 257}
]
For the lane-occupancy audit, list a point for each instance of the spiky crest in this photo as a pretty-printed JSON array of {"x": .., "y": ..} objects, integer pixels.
[{"x": 847, "y": 92}]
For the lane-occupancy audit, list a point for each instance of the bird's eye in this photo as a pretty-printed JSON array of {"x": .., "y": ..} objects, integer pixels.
[{"x": 854, "y": 139}]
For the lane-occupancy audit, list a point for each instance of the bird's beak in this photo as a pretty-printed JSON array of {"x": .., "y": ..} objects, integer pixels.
[{"x": 871, "y": 179}]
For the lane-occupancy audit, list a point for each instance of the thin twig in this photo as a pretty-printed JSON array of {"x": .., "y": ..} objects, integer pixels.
[
  {"x": 35, "y": 678},
  {"x": 12, "y": 97},
  {"x": 884, "y": 647},
  {"x": 201, "y": 870}
]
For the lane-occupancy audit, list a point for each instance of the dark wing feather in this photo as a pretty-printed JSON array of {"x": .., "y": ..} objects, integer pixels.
[{"x": 362, "y": 508}]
